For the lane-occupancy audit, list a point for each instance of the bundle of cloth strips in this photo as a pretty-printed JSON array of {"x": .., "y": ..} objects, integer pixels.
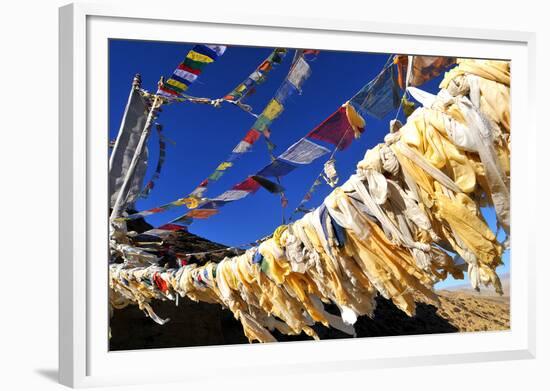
[{"x": 409, "y": 217}]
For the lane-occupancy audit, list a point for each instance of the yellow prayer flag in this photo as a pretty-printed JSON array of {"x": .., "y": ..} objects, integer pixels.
[
  {"x": 272, "y": 110},
  {"x": 223, "y": 166},
  {"x": 177, "y": 84},
  {"x": 193, "y": 55}
]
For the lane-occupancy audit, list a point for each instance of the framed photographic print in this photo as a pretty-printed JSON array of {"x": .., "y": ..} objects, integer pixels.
[{"x": 289, "y": 194}]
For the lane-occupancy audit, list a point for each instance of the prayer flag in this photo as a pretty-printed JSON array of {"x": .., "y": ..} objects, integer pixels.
[
  {"x": 276, "y": 168},
  {"x": 304, "y": 152},
  {"x": 336, "y": 130},
  {"x": 232, "y": 195},
  {"x": 273, "y": 110},
  {"x": 380, "y": 96},
  {"x": 270, "y": 186},
  {"x": 127, "y": 141},
  {"x": 202, "y": 213},
  {"x": 187, "y": 71},
  {"x": 300, "y": 72},
  {"x": 249, "y": 185},
  {"x": 425, "y": 68}
]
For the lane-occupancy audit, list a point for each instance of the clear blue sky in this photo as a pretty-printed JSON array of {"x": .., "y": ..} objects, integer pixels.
[{"x": 204, "y": 135}]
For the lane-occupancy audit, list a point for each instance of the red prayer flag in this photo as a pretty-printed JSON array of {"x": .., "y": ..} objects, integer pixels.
[
  {"x": 172, "y": 227},
  {"x": 249, "y": 185},
  {"x": 336, "y": 130},
  {"x": 184, "y": 67},
  {"x": 167, "y": 90},
  {"x": 252, "y": 136},
  {"x": 201, "y": 213}
]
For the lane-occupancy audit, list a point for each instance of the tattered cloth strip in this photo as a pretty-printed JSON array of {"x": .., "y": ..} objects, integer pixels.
[
  {"x": 160, "y": 163},
  {"x": 422, "y": 69},
  {"x": 189, "y": 70},
  {"x": 124, "y": 149},
  {"x": 247, "y": 87},
  {"x": 389, "y": 230}
]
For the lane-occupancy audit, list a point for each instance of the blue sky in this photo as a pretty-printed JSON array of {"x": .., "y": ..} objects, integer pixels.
[{"x": 204, "y": 135}]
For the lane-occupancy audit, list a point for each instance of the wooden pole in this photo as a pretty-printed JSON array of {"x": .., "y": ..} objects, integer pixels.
[{"x": 122, "y": 194}]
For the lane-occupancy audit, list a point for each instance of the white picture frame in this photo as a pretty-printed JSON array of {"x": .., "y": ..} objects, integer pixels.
[{"x": 83, "y": 351}]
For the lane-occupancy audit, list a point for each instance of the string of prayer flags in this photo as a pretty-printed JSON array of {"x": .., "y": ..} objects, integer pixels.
[
  {"x": 189, "y": 202},
  {"x": 340, "y": 128},
  {"x": 421, "y": 69},
  {"x": 161, "y": 232},
  {"x": 160, "y": 163},
  {"x": 238, "y": 191},
  {"x": 192, "y": 201},
  {"x": 293, "y": 82},
  {"x": 190, "y": 69},
  {"x": 301, "y": 153},
  {"x": 241, "y": 148},
  {"x": 335, "y": 130},
  {"x": 380, "y": 96},
  {"x": 308, "y": 195},
  {"x": 259, "y": 75},
  {"x": 298, "y": 74}
]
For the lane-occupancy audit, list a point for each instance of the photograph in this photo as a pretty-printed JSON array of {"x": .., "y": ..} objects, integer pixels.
[
  {"x": 245, "y": 195},
  {"x": 282, "y": 194}
]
